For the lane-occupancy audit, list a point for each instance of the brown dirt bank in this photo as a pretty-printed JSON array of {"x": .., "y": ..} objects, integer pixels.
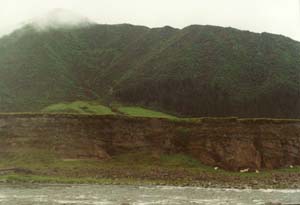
[{"x": 229, "y": 143}]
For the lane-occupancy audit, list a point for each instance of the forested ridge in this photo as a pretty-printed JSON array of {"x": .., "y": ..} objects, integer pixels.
[{"x": 194, "y": 71}]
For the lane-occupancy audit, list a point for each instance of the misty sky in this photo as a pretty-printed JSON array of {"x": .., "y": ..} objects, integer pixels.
[{"x": 275, "y": 16}]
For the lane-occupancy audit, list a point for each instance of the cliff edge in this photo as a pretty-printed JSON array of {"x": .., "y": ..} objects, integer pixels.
[{"x": 232, "y": 144}]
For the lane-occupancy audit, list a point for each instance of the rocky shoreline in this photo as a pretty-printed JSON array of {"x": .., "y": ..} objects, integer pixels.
[{"x": 162, "y": 177}]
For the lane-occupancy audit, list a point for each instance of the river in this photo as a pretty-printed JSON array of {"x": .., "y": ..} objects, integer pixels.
[{"x": 138, "y": 195}]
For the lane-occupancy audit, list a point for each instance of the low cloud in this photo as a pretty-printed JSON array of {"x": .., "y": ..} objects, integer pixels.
[
  {"x": 59, "y": 18},
  {"x": 273, "y": 16}
]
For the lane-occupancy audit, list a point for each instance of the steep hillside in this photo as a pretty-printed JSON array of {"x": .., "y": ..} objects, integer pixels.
[
  {"x": 40, "y": 68},
  {"x": 195, "y": 71},
  {"x": 216, "y": 71}
]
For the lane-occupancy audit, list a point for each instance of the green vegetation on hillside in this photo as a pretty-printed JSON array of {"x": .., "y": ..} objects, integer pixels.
[
  {"x": 79, "y": 107},
  {"x": 198, "y": 71},
  {"x": 142, "y": 112},
  {"x": 85, "y": 107}
]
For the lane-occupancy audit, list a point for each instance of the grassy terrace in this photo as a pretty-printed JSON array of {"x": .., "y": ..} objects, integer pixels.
[
  {"x": 132, "y": 169},
  {"x": 79, "y": 107},
  {"x": 94, "y": 109},
  {"x": 162, "y": 173},
  {"x": 142, "y": 112},
  {"x": 43, "y": 167},
  {"x": 82, "y": 107}
]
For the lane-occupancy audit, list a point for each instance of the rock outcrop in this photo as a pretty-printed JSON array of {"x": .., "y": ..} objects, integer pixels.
[{"x": 231, "y": 144}]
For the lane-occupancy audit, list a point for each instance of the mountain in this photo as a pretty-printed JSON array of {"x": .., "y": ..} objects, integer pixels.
[{"x": 195, "y": 71}]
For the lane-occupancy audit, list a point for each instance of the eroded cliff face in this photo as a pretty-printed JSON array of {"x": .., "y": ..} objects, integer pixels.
[{"x": 229, "y": 144}]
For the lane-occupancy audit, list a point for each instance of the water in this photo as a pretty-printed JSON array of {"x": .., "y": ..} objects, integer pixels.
[{"x": 116, "y": 195}]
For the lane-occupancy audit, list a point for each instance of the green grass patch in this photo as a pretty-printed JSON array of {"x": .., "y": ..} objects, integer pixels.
[
  {"x": 27, "y": 158},
  {"x": 79, "y": 107},
  {"x": 142, "y": 112},
  {"x": 157, "y": 160},
  {"x": 45, "y": 161},
  {"x": 295, "y": 169},
  {"x": 22, "y": 178},
  {"x": 37, "y": 179}
]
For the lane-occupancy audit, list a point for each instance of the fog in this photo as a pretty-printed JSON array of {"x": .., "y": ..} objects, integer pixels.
[
  {"x": 58, "y": 18},
  {"x": 274, "y": 16}
]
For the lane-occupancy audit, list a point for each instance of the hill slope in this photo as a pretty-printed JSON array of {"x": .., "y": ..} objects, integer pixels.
[{"x": 195, "y": 71}]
